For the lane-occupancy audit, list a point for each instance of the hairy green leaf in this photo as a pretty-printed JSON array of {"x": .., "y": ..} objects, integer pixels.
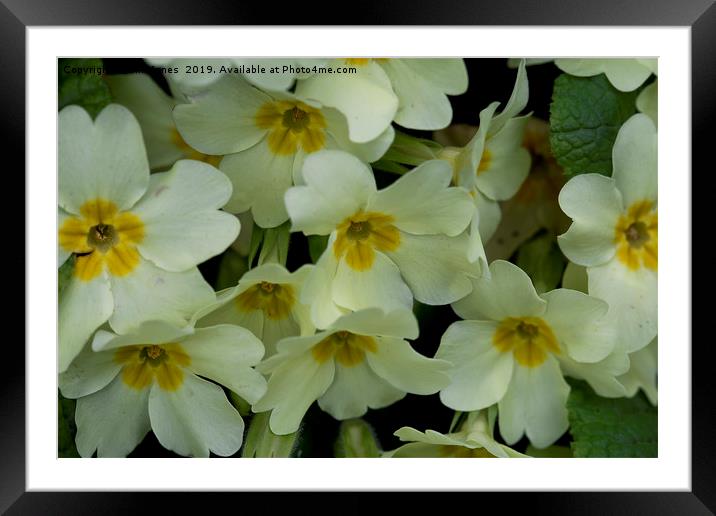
[
  {"x": 356, "y": 438},
  {"x": 585, "y": 116},
  {"x": 606, "y": 427}
]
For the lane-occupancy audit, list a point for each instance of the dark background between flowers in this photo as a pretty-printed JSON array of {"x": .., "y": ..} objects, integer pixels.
[{"x": 489, "y": 80}]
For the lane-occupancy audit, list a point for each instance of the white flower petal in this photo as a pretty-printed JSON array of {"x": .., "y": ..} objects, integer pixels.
[
  {"x": 623, "y": 74},
  {"x": 435, "y": 267},
  {"x": 105, "y": 159},
  {"x": 517, "y": 102},
  {"x": 422, "y": 202},
  {"x": 225, "y": 355},
  {"x": 508, "y": 164},
  {"x": 149, "y": 332},
  {"x": 89, "y": 372},
  {"x": 632, "y": 299},
  {"x": 634, "y": 158},
  {"x": 578, "y": 322},
  {"x": 260, "y": 179},
  {"x": 277, "y": 329},
  {"x": 338, "y": 185},
  {"x": 195, "y": 419},
  {"x": 490, "y": 215},
  {"x": 447, "y": 74},
  {"x": 292, "y": 388},
  {"x": 400, "y": 323},
  {"x": 603, "y": 376},
  {"x": 351, "y": 93},
  {"x": 221, "y": 120},
  {"x": 626, "y": 74},
  {"x": 153, "y": 109},
  {"x": 535, "y": 403},
  {"x": 182, "y": 222},
  {"x": 592, "y": 200},
  {"x": 642, "y": 373},
  {"x": 397, "y": 362},
  {"x": 480, "y": 373},
  {"x": 149, "y": 292},
  {"x": 421, "y": 104},
  {"x": 83, "y": 307},
  {"x": 588, "y": 245},
  {"x": 369, "y": 151},
  {"x": 380, "y": 286},
  {"x": 318, "y": 290},
  {"x": 507, "y": 293},
  {"x": 356, "y": 389},
  {"x": 112, "y": 421},
  {"x": 595, "y": 205}
]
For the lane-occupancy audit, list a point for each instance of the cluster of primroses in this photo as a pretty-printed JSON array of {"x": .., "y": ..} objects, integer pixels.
[{"x": 146, "y": 344}]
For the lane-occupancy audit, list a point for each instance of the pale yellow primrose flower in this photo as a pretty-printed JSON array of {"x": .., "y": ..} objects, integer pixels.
[
  {"x": 385, "y": 246},
  {"x": 136, "y": 240},
  {"x": 623, "y": 74},
  {"x": 473, "y": 440},
  {"x": 265, "y": 137},
  {"x": 267, "y": 301},
  {"x": 615, "y": 231},
  {"x": 153, "y": 110},
  {"x": 361, "y": 361},
  {"x": 151, "y": 379},
  {"x": 509, "y": 349},
  {"x": 620, "y": 373},
  {"x": 413, "y": 92},
  {"x": 494, "y": 164}
]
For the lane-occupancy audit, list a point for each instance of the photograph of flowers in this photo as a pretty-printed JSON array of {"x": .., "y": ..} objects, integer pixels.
[{"x": 357, "y": 257}]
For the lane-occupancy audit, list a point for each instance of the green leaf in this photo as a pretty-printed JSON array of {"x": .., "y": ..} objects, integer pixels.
[
  {"x": 542, "y": 260},
  {"x": 66, "y": 428},
  {"x": 356, "y": 438},
  {"x": 262, "y": 442},
  {"x": 231, "y": 268},
  {"x": 275, "y": 244},
  {"x": 80, "y": 84},
  {"x": 410, "y": 150},
  {"x": 390, "y": 166},
  {"x": 257, "y": 237},
  {"x": 606, "y": 427},
  {"x": 316, "y": 245},
  {"x": 585, "y": 116},
  {"x": 240, "y": 404}
]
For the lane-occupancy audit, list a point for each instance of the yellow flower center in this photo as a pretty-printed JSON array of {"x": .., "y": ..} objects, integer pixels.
[
  {"x": 274, "y": 299},
  {"x": 190, "y": 152},
  {"x": 348, "y": 348},
  {"x": 142, "y": 364},
  {"x": 292, "y": 126},
  {"x": 102, "y": 236},
  {"x": 361, "y": 234},
  {"x": 636, "y": 236},
  {"x": 530, "y": 339},
  {"x": 363, "y": 61},
  {"x": 485, "y": 162}
]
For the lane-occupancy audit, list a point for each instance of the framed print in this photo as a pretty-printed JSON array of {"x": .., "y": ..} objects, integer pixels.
[{"x": 421, "y": 242}]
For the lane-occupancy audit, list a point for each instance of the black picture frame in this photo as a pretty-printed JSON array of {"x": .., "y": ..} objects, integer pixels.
[{"x": 16, "y": 15}]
